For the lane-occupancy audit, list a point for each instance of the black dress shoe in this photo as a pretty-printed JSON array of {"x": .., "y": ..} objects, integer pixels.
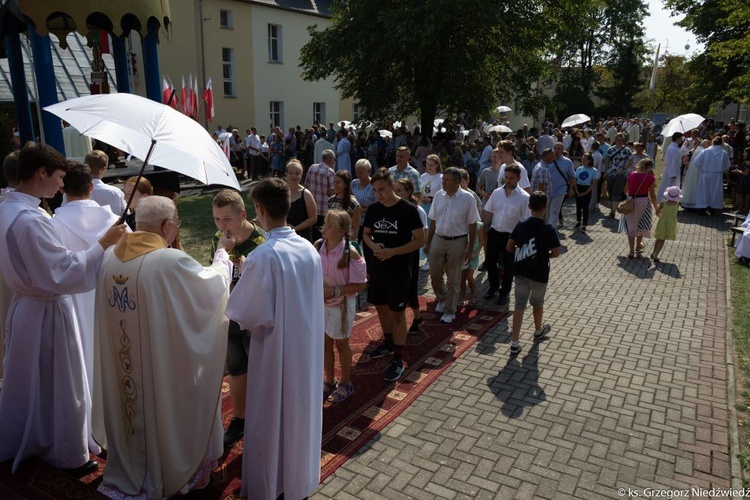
[
  {"x": 234, "y": 432},
  {"x": 490, "y": 294},
  {"x": 84, "y": 470},
  {"x": 503, "y": 300}
]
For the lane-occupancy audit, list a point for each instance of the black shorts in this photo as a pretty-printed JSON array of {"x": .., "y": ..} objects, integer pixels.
[
  {"x": 392, "y": 291},
  {"x": 238, "y": 346}
]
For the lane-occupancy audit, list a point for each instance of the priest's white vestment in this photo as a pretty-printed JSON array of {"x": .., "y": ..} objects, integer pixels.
[
  {"x": 690, "y": 184},
  {"x": 672, "y": 167},
  {"x": 280, "y": 299},
  {"x": 160, "y": 346},
  {"x": 743, "y": 243},
  {"x": 80, "y": 224},
  {"x": 712, "y": 163},
  {"x": 43, "y": 401}
]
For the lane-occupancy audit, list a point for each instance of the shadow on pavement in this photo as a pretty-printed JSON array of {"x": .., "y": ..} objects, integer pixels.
[{"x": 517, "y": 384}]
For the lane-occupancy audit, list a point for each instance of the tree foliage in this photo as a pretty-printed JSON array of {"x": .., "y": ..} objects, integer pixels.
[
  {"x": 595, "y": 38},
  {"x": 401, "y": 57},
  {"x": 724, "y": 28}
]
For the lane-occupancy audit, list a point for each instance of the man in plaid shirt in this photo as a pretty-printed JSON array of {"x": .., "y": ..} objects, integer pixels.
[
  {"x": 319, "y": 181},
  {"x": 402, "y": 169},
  {"x": 540, "y": 177}
]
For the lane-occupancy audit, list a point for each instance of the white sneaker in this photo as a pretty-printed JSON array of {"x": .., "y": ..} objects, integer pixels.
[
  {"x": 440, "y": 307},
  {"x": 425, "y": 266},
  {"x": 447, "y": 318}
]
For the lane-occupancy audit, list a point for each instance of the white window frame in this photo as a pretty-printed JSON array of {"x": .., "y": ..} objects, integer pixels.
[
  {"x": 228, "y": 80},
  {"x": 275, "y": 41},
  {"x": 276, "y": 115},
  {"x": 357, "y": 112},
  {"x": 319, "y": 112},
  {"x": 229, "y": 18}
]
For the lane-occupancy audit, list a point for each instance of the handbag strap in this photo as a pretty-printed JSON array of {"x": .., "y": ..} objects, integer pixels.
[{"x": 641, "y": 184}]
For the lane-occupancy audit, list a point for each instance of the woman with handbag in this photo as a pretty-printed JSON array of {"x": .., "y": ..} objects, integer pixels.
[{"x": 637, "y": 208}]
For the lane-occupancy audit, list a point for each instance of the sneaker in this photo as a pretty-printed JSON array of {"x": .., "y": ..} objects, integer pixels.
[
  {"x": 611, "y": 215},
  {"x": 578, "y": 224},
  {"x": 515, "y": 348},
  {"x": 544, "y": 330},
  {"x": 583, "y": 229},
  {"x": 440, "y": 307},
  {"x": 414, "y": 328},
  {"x": 447, "y": 318},
  {"x": 234, "y": 432},
  {"x": 381, "y": 351},
  {"x": 394, "y": 371},
  {"x": 425, "y": 267}
]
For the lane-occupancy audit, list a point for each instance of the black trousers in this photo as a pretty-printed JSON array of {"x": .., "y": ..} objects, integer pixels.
[
  {"x": 499, "y": 262},
  {"x": 582, "y": 206}
]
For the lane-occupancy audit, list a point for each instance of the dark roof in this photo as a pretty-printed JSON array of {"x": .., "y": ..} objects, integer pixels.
[{"x": 313, "y": 7}]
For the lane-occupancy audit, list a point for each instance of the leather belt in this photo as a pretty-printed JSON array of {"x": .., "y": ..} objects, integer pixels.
[{"x": 451, "y": 238}]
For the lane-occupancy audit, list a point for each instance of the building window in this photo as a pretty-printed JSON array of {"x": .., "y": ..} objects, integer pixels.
[
  {"x": 225, "y": 19},
  {"x": 274, "y": 43},
  {"x": 277, "y": 114},
  {"x": 227, "y": 59},
  {"x": 357, "y": 112},
  {"x": 319, "y": 112}
]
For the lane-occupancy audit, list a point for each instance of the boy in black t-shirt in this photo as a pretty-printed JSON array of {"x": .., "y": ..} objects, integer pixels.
[
  {"x": 392, "y": 230},
  {"x": 534, "y": 241}
]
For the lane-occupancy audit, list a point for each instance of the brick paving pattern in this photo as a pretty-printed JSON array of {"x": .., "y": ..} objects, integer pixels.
[{"x": 629, "y": 390}]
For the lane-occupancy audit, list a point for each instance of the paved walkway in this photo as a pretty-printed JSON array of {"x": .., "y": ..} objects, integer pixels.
[{"x": 630, "y": 391}]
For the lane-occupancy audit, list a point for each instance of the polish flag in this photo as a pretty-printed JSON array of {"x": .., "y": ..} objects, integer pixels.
[
  {"x": 194, "y": 96},
  {"x": 166, "y": 93},
  {"x": 186, "y": 97},
  {"x": 208, "y": 98}
]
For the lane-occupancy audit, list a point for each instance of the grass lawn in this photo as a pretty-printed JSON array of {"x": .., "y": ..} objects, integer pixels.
[{"x": 740, "y": 275}]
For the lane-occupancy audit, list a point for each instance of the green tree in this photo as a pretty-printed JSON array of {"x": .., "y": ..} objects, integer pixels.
[
  {"x": 401, "y": 57},
  {"x": 592, "y": 38},
  {"x": 724, "y": 28}
]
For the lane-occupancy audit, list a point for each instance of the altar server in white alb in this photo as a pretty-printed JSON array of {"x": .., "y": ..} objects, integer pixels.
[
  {"x": 43, "y": 401},
  {"x": 280, "y": 299},
  {"x": 80, "y": 224},
  {"x": 672, "y": 166},
  {"x": 161, "y": 340},
  {"x": 712, "y": 163}
]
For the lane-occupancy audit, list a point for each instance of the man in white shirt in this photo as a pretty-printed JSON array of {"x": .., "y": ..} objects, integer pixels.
[
  {"x": 672, "y": 166},
  {"x": 506, "y": 151},
  {"x": 508, "y": 205},
  {"x": 104, "y": 194},
  {"x": 545, "y": 141},
  {"x": 453, "y": 230},
  {"x": 252, "y": 144}
]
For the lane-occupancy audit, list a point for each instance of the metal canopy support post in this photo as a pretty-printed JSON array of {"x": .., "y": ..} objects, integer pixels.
[
  {"x": 18, "y": 80},
  {"x": 151, "y": 62},
  {"x": 46, "y": 88},
  {"x": 120, "y": 55}
]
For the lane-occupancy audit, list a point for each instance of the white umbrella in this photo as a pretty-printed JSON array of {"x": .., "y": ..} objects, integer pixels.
[
  {"x": 385, "y": 133},
  {"x": 150, "y": 131},
  {"x": 501, "y": 129},
  {"x": 682, "y": 123},
  {"x": 504, "y": 109},
  {"x": 346, "y": 123},
  {"x": 438, "y": 122},
  {"x": 574, "y": 120}
]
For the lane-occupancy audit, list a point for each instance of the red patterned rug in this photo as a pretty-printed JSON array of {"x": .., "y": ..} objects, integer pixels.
[
  {"x": 349, "y": 425},
  {"x": 346, "y": 426}
]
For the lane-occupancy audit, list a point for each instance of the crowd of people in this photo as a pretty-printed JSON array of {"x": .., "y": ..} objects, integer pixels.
[{"x": 106, "y": 322}]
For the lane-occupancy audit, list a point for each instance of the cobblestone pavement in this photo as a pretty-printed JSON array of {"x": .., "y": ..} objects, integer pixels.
[{"x": 629, "y": 391}]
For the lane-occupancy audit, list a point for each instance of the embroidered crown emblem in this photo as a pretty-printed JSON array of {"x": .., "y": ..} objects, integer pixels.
[{"x": 121, "y": 280}]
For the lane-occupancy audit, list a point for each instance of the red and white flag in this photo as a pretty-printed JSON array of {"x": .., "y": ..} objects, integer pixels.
[
  {"x": 166, "y": 93},
  {"x": 186, "y": 97},
  {"x": 208, "y": 98},
  {"x": 194, "y": 96}
]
